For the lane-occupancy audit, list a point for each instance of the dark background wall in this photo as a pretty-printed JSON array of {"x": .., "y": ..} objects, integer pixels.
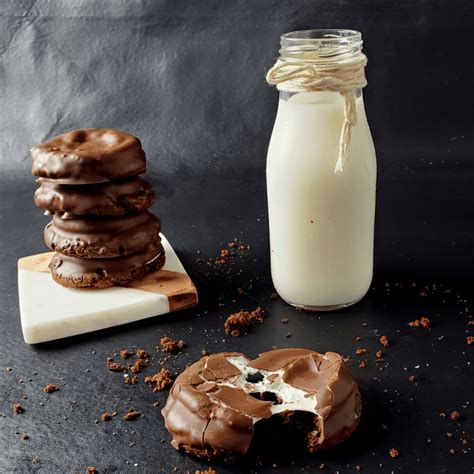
[{"x": 187, "y": 77}]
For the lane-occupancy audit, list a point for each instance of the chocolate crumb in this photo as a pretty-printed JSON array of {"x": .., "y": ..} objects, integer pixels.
[
  {"x": 50, "y": 388},
  {"x": 161, "y": 380},
  {"x": 131, "y": 415},
  {"x": 236, "y": 322},
  {"x": 125, "y": 354},
  {"x": 394, "y": 453},
  {"x": 285, "y": 320},
  {"x": 411, "y": 378},
  {"x": 360, "y": 351},
  {"x": 170, "y": 345},
  {"x": 470, "y": 340},
  {"x": 423, "y": 322},
  {"x": 91, "y": 470},
  {"x": 17, "y": 408},
  {"x": 25, "y": 436},
  {"x": 114, "y": 366},
  {"x": 454, "y": 415},
  {"x": 105, "y": 416},
  {"x": 384, "y": 341}
]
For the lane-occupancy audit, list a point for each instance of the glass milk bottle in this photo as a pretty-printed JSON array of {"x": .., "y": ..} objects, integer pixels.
[{"x": 321, "y": 172}]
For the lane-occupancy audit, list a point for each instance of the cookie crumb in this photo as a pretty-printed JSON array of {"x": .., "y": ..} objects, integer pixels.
[
  {"x": 236, "y": 322},
  {"x": 50, "y": 388},
  {"x": 384, "y": 341},
  {"x": 322, "y": 466},
  {"x": 17, "y": 408},
  {"x": 130, "y": 380},
  {"x": 470, "y": 340},
  {"x": 114, "y": 366},
  {"x": 131, "y": 415},
  {"x": 285, "y": 321},
  {"x": 360, "y": 350},
  {"x": 206, "y": 471},
  {"x": 452, "y": 451},
  {"x": 170, "y": 345},
  {"x": 125, "y": 354},
  {"x": 105, "y": 416},
  {"x": 91, "y": 470},
  {"x": 156, "y": 404},
  {"x": 142, "y": 354},
  {"x": 454, "y": 415},
  {"x": 25, "y": 436},
  {"x": 394, "y": 453},
  {"x": 411, "y": 378},
  {"x": 204, "y": 352},
  {"x": 274, "y": 296},
  {"x": 138, "y": 366},
  {"x": 379, "y": 355},
  {"x": 160, "y": 381},
  {"x": 423, "y": 322},
  {"x": 362, "y": 364},
  {"x": 359, "y": 338}
]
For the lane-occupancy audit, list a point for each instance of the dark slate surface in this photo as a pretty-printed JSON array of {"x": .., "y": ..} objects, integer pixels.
[{"x": 187, "y": 77}]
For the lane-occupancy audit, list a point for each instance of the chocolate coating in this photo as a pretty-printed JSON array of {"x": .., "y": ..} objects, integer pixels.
[
  {"x": 212, "y": 407},
  {"x": 124, "y": 196},
  {"x": 88, "y": 155},
  {"x": 103, "y": 237},
  {"x": 103, "y": 273}
]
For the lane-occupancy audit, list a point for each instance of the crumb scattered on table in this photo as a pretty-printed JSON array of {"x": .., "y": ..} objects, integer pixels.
[
  {"x": 167, "y": 344},
  {"x": 50, "y": 388},
  {"x": 160, "y": 381},
  {"x": 237, "y": 322},
  {"x": 17, "y": 408},
  {"x": 394, "y": 453},
  {"x": 131, "y": 415},
  {"x": 423, "y": 322}
]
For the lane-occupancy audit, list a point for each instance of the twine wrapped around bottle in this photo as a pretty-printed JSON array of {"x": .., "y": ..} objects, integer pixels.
[{"x": 295, "y": 75}]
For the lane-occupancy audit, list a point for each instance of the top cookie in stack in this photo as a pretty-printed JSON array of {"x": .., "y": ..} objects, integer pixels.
[{"x": 101, "y": 230}]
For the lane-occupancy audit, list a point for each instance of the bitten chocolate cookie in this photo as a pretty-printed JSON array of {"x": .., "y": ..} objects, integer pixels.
[
  {"x": 226, "y": 405},
  {"x": 123, "y": 196},
  {"x": 103, "y": 273},
  {"x": 104, "y": 236},
  {"x": 88, "y": 155}
]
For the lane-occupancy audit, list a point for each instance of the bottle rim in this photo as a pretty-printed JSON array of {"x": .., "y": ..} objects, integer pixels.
[{"x": 320, "y": 45}]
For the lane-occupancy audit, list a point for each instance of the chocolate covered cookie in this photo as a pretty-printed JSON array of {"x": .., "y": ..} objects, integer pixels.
[
  {"x": 88, "y": 155},
  {"x": 226, "y": 405},
  {"x": 103, "y": 273},
  {"x": 122, "y": 196},
  {"x": 104, "y": 236}
]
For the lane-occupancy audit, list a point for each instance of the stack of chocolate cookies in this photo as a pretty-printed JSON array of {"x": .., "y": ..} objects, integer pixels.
[{"x": 102, "y": 232}]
